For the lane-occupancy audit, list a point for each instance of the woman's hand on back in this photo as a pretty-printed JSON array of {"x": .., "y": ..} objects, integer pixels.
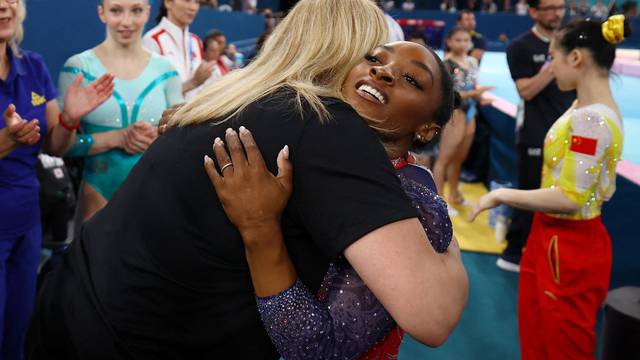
[{"x": 252, "y": 197}]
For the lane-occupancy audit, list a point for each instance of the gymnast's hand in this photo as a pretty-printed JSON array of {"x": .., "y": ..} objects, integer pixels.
[
  {"x": 138, "y": 137},
  {"x": 20, "y": 131},
  {"x": 487, "y": 201},
  {"x": 252, "y": 197},
  {"x": 79, "y": 101}
]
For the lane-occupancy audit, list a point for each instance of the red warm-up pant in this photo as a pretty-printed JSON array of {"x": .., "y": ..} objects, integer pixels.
[{"x": 564, "y": 279}]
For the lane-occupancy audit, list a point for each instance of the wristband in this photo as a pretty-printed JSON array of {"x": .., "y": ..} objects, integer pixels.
[{"x": 67, "y": 126}]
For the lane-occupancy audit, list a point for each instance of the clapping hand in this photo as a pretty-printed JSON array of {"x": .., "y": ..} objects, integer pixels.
[
  {"x": 80, "y": 101},
  {"x": 21, "y": 131},
  {"x": 203, "y": 72},
  {"x": 139, "y": 136}
]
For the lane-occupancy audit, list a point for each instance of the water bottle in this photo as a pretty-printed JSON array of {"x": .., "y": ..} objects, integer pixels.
[
  {"x": 501, "y": 227},
  {"x": 239, "y": 60},
  {"x": 502, "y": 210}
]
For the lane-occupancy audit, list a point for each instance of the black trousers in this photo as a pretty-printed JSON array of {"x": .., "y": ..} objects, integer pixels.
[
  {"x": 529, "y": 176},
  {"x": 62, "y": 302}
]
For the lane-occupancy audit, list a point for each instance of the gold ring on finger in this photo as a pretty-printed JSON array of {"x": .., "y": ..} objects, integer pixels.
[{"x": 226, "y": 166}]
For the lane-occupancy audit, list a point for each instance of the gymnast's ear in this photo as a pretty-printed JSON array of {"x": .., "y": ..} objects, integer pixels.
[{"x": 101, "y": 12}]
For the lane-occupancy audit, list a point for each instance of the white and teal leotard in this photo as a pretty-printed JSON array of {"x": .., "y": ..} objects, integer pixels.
[{"x": 140, "y": 99}]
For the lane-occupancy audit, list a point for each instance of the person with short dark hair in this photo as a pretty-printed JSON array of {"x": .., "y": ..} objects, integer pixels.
[
  {"x": 541, "y": 103},
  {"x": 229, "y": 55},
  {"x": 566, "y": 268},
  {"x": 467, "y": 21},
  {"x": 213, "y": 54}
]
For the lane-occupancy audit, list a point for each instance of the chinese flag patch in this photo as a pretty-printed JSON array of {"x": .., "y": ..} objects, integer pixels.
[{"x": 584, "y": 145}]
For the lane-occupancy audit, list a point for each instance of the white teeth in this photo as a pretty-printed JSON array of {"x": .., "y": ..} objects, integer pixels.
[{"x": 372, "y": 91}]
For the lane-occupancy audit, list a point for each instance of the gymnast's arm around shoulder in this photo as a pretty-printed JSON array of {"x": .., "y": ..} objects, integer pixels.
[{"x": 424, "y": 292}]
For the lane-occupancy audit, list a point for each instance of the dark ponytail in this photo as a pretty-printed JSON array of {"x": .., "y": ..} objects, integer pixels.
[
  {"x": 162, "y": 12},
  {"x": 588, "y": 34}
]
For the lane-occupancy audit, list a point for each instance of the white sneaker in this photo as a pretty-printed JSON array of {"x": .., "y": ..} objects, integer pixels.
[{"x": 507, "y": 266}]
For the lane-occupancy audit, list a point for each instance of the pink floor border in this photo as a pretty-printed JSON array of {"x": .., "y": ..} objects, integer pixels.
[
  {"x": 627, "y": 62},
  {"x": 627, "y": 67},
  {"x": 629, "y": 170}
]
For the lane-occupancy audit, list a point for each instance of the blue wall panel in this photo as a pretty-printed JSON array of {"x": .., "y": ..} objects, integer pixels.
[
  {"x": 491, "y": 26},
  {"x": 58, "y": 33}
]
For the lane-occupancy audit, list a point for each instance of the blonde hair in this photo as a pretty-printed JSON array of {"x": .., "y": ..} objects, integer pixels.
[
  {"x": 311, "y": 52},
  {"x": 15, "y": 41}
]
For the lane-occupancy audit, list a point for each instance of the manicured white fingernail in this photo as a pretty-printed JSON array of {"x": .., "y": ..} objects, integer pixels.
[
  {"x": 229, "y": 131},
  {"x": 217, "y": 141},
  {"x": 243, "y": 130},
  {"x": 207, "y": 159},
  {"x": 285, "y": 149}
]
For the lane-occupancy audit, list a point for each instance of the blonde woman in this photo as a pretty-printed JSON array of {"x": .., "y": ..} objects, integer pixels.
[
  {"x": 115, "y": 135},
  {"x": 161, "y": 273},
  {"x": 27, "y": 93}
]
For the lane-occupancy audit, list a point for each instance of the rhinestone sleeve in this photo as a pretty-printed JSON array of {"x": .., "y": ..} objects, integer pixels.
[
  {"x": 345, "y": 319},
  {"x": 432, "y": 213}
]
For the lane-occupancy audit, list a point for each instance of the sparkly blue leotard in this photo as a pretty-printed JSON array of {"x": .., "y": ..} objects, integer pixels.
[
  {"x": 346, "y": 319},
  {"x": 141, "y": 99}
]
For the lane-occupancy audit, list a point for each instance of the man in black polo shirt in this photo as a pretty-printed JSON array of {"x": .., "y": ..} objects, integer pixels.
[
  {"x": 540, "y": 105},
  {"x": 467, "y": 21}
]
